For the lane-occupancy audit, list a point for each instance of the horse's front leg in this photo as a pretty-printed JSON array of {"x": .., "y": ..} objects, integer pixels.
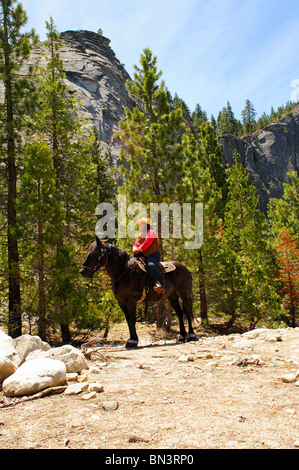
[{"x": 129, "y": 310}]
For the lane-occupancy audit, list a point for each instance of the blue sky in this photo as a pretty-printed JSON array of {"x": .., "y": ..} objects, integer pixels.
[{"x": 210, "y": 51}]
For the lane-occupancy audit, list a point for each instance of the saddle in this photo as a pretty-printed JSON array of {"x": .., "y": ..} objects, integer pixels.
[{"x": 165, "y": 267}]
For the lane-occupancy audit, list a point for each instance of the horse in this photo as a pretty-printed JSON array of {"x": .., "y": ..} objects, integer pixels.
[{"x": 129, "y": 280}]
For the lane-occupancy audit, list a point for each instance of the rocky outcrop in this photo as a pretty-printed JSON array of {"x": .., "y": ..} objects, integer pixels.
[
  {"x": 98, "y": 78},
  {"x": 268, "y": 154}
]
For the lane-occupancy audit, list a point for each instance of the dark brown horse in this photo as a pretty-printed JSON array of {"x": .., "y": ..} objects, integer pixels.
[{"x": 128, "y": 281}]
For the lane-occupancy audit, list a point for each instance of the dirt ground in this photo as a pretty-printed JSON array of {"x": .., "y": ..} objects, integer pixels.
[{"x": 221, "y": 392}]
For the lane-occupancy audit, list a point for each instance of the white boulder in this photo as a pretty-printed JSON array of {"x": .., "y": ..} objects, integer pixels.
[
  {"x": 7, "y": 368},
  {"x": 34, "y": 376},
  {"x": 26, "y": 344},
  {"x": 7, "y": 349},
  {"x": 73, "y": 358}
]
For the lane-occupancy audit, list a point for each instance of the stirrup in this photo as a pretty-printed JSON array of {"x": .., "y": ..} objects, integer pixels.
[{"x": 159, "y": 289}]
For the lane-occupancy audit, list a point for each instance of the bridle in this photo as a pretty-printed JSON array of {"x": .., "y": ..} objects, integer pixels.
[{"x": 103, "y": 254}]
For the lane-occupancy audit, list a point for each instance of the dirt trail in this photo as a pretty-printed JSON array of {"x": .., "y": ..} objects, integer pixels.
[{"x": 222, "y": 392}]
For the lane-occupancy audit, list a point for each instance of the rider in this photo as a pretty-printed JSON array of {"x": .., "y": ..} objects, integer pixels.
[{"x": 147, "y": 244}]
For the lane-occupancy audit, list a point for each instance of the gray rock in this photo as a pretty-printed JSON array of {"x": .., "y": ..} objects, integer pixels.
[
  {"x": 110, "y": 405},
  {"x": 76, "y": 388},
  {"x": 98, "y": 78},
  {"x": 8, "y": 350},
  {"x": 74, "y": 360},
  {"x": 34, "y": 376},
  {"x": 7, "y": 368},
  {"x": 268, "y": 154},
  {"x": 26, "y": 344}
]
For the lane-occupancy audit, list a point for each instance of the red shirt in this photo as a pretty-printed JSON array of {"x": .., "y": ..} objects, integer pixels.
[{"x": 142, "y": 244}]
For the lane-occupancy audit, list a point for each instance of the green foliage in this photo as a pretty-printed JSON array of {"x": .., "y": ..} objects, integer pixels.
[
  {"x": 248, "y": 118},
  {"x": 15, "y": 47},
  {"x": 246, "y": 268}
]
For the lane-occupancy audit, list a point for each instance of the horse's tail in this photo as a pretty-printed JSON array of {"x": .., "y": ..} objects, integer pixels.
[{"x": 191, "y": 307}]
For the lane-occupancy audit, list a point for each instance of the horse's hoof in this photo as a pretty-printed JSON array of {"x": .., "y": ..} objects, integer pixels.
[
  {"x": 192, "y": 337},
  {"x": 181, "y": 339},
  {"x": 131, "y": 344}
]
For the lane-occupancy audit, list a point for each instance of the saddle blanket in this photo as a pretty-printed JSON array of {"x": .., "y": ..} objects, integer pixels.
[{"x": 165, "y": 266}]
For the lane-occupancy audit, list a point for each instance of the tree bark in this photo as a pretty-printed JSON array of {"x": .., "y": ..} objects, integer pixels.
[{"x": 14, "y": 297}]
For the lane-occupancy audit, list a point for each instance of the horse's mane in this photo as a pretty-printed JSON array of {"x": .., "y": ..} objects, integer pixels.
[{"x": 119, "y": 256}]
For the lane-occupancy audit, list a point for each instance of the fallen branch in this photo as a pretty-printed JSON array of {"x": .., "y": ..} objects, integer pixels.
[{"x": 6, "y": 403}]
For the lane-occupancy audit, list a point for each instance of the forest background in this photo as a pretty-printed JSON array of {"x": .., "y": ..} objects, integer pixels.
[{"x": 53, "y": 174}]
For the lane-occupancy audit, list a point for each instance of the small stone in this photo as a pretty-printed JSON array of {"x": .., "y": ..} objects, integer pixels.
[
  {"x": 273, "y": 339},
  {"x": 71, "y": 377},
  {"x": 89, "y": 396},
  {"x": 82, "y": 378},
  {"x": 76, "y": 388},
  {"x": 110, "y": 405},
  {"x": 184, "y": 358},
  {"x": 95, "y": 387},
  {"x": 94, "y": 370},
  {"x": 290, "y": 378},
  {"x": 290, "y": 411}
]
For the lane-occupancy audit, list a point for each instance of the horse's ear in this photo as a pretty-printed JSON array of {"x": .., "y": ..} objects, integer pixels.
[{"x": 99, "y": 243}]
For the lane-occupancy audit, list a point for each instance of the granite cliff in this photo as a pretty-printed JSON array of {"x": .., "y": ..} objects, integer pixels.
[
  {"x": 268, "y": 154},
  {"x": 98, "y": 78}
]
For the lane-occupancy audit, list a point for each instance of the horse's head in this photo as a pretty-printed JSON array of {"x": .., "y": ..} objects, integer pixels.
[{"x": 96, "y": 258}]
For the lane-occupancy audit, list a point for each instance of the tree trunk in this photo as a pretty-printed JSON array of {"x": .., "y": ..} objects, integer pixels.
[
  {"x": 14, "y": 316},
  {"x": 202, "y": 292},
  {"x": 42, "y": 323}
]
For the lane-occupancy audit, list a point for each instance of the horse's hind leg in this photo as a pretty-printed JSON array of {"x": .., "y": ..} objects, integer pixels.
[
  {"x": 174, "y": 302},
  {"x": 187, "y": 307}
]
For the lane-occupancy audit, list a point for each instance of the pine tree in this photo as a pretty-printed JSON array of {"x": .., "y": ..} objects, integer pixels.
[
  {"x": 248, "y": 118},
  {"x": 179, "y": 103},
  {"x": 15, "y": 48},
  {"x": 212, "y": 158},
  {"x": 227, "y": 123},
  {"x": 201, "y": 187},
  {"x": 39, "y": 213},
  {"x": 247, "y": 266},
  {"x": 198, "y": 118},
  {"x": 152, "y": 138},
  {"x": 58, "y": 122}
]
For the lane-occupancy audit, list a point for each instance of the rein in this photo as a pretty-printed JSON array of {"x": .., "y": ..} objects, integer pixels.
[{"x": 104, "y": 254}]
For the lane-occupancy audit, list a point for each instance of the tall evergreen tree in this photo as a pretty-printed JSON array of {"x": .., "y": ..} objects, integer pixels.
[
  {"x": 212, "y": 158},
  {"x": 248, "y": 118},
  {"x": 200, "y": 186},
  {"x": 152, "y": 138},
  {"x": 39, "y": 213},
  {"x": 57, "y": 120},
  {"x": 247, "y": 263},
  {"x": 15, "y": 48},
  {"x": 198, "y": 118}
]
